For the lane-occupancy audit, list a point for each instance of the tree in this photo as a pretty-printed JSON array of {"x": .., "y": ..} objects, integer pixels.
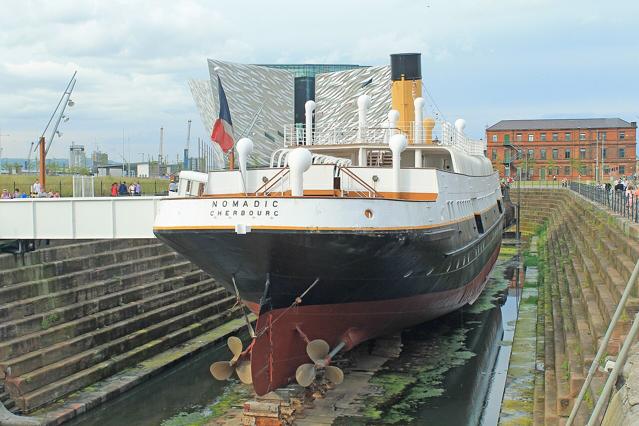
[{"x": 551, "y": 166}]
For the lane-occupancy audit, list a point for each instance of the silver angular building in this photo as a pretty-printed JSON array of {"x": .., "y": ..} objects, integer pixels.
[{"x": 264, "y": 99}]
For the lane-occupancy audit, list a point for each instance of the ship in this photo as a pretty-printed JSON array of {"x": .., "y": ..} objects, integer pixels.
[{"x": 347, "y": 235}]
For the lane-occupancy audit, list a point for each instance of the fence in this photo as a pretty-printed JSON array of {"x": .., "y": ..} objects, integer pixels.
[
  {"x": 64, "y": 185},
  {"x": 83, "y": 186},
  {"x": 617, "y": 201}
]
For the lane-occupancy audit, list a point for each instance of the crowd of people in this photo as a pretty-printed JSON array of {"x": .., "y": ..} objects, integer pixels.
[
  {"x": 122, "y": 189},
  {"x": 36, "y": 192}
]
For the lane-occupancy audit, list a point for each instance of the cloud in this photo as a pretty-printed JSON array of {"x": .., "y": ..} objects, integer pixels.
[{"x": 482, "y": 59}]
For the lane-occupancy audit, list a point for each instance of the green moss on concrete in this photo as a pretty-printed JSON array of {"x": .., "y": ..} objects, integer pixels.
[
  {"x": 507, "y": 252},
  {"x": 50, "y": 320},
  {"x": 411, "y": 380},
  {"x": 233, "y": 396},
  {"x": 518, "y": 402},
  {"x": 497, "y": 284}
]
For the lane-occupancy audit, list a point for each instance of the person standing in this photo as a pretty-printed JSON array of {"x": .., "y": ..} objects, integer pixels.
[
  {"x": 173, "y": 187},
  {"x": 114, "y": 190},
  {"x": 36, "y": 188},
  {"x": 138, "y": 189},
  {"x": 123, "y": 190}
]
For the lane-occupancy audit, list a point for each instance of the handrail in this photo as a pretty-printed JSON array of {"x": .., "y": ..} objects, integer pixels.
[
  {"x": 619, "y": 364},
  {"x": 273, "y": 181},
  {"x": 602, "y": 348},
  {"x": 359, "y": 180}
]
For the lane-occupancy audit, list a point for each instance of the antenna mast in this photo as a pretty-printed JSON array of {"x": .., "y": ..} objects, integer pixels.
[
  {"x": 186, "y": 150},
  {"x": 161, "y": 156}
]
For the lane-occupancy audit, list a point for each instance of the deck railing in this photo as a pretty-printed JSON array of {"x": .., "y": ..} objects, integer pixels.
[{"x": 443, "y": 134}]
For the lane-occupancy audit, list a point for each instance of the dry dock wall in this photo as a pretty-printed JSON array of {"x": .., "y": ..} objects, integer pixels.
[
  {"x": 75, "y": 313},
  {"x": 584, "y": 257}
]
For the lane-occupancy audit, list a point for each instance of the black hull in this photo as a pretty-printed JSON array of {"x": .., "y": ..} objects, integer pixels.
[{"x": 352, "y": 266}]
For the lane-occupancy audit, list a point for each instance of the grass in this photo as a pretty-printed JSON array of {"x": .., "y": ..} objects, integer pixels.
[
  {"x": 49, "y": 320},
  {"x": 64, "y": 184}
]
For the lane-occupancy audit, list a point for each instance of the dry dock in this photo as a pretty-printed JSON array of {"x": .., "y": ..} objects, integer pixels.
[{"x": 83, "y": 323}]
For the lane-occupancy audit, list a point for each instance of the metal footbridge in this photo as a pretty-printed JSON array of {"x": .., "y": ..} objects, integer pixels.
[{"x": 77, "y": 218}]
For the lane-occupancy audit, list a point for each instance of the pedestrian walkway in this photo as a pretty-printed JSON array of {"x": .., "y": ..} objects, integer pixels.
[{"x": 78, "y": 218}]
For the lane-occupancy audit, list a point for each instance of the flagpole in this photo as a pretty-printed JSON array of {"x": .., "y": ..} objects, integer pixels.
[{"x": 232, "y": 159}]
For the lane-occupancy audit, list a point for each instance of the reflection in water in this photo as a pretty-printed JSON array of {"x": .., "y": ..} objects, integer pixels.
[{"x": 466, "y": 386}]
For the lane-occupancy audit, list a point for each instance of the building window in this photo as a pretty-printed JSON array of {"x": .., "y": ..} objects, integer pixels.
[
  {"x": 520, "y": 154},
  {"x": 622, "y": 136},
  {"x": 531, "y": 137},
  {"x": 604, "y": 152},
  {"x": 506, "y": 139},
  {"x": 542, "y": 137},
  {"x": 507, "y": 156},
  {"x": 555, "y": 154},
  {"x": 606, "y": 169},
  {"x": 567, "y": 153},
  {"x": 555, "y": 136},
  {"x": 622, "y": 152},
  {"x": 582, "y": 153},
  {"x": 494, "y": 138},
  {"x": 542, "y": 153},
  {"x": 518, "y": 137},
  {"x": 566, "y": 170},
  {"x": 567, "y": 136},
  {"x": 582, "y": 136},
  {"x": 531, "y": 154},
  {"x": 622, "y": 170},
  {"x": 601, "y": 136},
  {"x": 494, "y": 154}
]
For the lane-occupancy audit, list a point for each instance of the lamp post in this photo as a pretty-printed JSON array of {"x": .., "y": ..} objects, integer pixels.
[
  {"x": 65, "y": 100},
  {"x": 1, "y": 135},
  {"x": 603, "y": 151},
  {"x": 518, "y": 149},
  {"x": 597, "y": 159}
]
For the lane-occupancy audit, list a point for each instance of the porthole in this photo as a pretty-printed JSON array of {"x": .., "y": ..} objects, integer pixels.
[{"x": 368, "y": 213}]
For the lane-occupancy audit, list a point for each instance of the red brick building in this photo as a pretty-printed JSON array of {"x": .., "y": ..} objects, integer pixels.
[{"x": 566, "y": 148}]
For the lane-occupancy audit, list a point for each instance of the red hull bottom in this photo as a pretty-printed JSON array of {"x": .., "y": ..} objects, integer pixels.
[{"x": 281, "y": 348}]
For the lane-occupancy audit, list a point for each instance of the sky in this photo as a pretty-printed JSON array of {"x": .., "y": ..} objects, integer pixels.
[{"x": 483, "y": 60}]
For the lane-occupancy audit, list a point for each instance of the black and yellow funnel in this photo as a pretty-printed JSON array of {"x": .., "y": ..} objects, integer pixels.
[{"x": 406, "y": 77}]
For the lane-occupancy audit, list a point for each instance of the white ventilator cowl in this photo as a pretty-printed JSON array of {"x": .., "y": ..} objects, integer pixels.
[
  {"x": 397, "y": 145},
  {"x": 299, "y": 161},
  {"x": 393, "y": 118},
  {"x": 363, "y": 103},
  {"x": 309, "y": 107},
  {"x": 460, "y": 125},
  {"x": 419, "y": 116},
  {"x": 244, "y": 149}
]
